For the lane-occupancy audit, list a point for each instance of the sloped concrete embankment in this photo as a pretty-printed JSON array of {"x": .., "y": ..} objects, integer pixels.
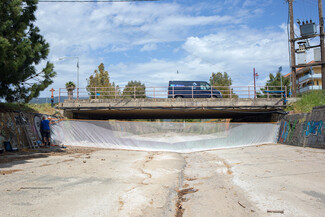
[{"x": 306, "y": 130}]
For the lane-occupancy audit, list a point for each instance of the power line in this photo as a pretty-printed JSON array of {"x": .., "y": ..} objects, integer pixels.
[{"x": 33, "y": 77}]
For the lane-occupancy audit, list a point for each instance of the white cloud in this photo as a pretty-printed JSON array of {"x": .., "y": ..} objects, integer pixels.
[
  {"x": 241, "y": 50},
  {"x": 237, "y": 54},
  {"x": 225, "y": 44},
  {"x": 81, "y": 27},
  {"x": 249, "y": 3},
  {"x": 158, "y": 72},
  {"x": 149, "y": 47}
]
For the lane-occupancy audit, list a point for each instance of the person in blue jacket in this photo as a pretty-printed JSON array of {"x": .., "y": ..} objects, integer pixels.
[{"x": 45, "y": 131}]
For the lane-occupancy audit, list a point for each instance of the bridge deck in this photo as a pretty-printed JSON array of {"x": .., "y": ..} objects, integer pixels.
[{"x": 169, "y": 108}]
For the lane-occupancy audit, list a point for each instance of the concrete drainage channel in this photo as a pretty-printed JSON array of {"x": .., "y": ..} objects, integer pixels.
[
  {"x": 246, "y": 181},
  {"x": 249, "y": 181}
]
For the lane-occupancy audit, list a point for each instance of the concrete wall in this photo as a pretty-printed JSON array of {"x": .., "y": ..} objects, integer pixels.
[
  {"x": 11, "y": 128},
  {"x": 162, "y": 102},
  {"x": 307, "y": 130}
]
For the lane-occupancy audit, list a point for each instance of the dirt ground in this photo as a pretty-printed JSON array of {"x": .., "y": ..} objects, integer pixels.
[{"x": 269, "y": 180}]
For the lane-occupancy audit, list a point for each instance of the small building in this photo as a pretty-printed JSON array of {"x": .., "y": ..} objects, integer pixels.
[{"x": 308, "y": 78}]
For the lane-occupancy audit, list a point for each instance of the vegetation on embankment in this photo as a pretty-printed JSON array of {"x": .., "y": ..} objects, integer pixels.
[
  {"x": 33, "y": 108},
  {"x": 308, "y": 101}
]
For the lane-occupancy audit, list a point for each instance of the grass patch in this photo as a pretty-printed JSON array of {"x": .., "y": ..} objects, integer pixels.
[
  {"x": 308, "y": 101},
  {"x": 16, "y": 107},
  {"x": 43, "y": 108},
  {"x": 32, "y": 108}
]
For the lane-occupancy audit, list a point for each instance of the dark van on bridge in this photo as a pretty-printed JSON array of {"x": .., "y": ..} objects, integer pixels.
[{"x": 192, "y": 89}]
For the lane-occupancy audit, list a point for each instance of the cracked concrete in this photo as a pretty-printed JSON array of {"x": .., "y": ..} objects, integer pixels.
[{"x": 250, "y": 181}]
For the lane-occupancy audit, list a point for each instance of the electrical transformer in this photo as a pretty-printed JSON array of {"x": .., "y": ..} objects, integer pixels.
[{"x": 307, "y": 29}]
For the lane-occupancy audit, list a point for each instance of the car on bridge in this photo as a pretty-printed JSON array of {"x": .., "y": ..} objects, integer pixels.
[{"x": 192, "y": 89}]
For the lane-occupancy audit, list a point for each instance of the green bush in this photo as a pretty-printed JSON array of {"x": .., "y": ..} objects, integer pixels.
[{"x": 308, "y": 101}]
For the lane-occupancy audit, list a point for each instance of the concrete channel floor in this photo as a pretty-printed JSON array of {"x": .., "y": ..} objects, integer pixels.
[{"x": 268, "y": 180}]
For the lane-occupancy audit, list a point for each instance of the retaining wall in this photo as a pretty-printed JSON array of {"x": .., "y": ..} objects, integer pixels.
[
  {"x": 11, "y": 128},
  {"x": 307, "y": 130}
]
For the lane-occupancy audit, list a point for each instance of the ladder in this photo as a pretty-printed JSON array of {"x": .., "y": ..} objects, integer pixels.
[{"x": 31, "y": 138}]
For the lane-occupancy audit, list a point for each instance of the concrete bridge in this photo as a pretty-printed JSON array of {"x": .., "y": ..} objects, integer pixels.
[{"x": 240, "y": 109}]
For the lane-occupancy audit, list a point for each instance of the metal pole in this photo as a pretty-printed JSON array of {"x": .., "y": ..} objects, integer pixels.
[
  {"x": 281, "y": 80},
  {"x": 322, "y": 49},
  {"x": 254, "y": 83},
  {"x": 249, "y": 92},
  {"x": 62, "y": 58},
  {"x": 292, "y": 50},
  {"x": 173, "y": 92},
  {"x": 77, "y": 73},
  {"x": 211, "y": 92}
]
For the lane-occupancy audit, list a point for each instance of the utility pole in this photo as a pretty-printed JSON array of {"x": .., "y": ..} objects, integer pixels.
[
  {"x": 292, "y": 50},
  {"x": 254, "y": 84},
  {"x": 322, "y": 49}
]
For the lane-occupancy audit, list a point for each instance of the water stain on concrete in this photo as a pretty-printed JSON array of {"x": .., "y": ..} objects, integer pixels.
[
  {"x": 317, "y": 195},
  {"x": 6, "y": 172},
  {"x": 181, "y": 199}
]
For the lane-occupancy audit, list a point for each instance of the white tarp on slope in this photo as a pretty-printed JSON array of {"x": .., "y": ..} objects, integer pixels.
[{"x": 163, "y": 136}]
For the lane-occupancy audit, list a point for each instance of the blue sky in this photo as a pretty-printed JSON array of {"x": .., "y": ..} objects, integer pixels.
[{"x": 151, "y": 41}]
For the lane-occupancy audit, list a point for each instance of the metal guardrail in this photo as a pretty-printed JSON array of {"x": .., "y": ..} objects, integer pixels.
[{"x": 165, "y": 92}]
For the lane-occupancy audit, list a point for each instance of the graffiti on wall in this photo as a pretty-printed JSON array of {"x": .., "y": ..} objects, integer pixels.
[
  {"x": 287, "y": 130},
  {"x": 12, "y": 127},
  {"x": 296, "y": 131},
  {"x": 8, "y": 129},
  {"x": 312, "y": 128},
  {"x": 37, "y": 124},
  {"x": 20, "y": 133},
  {"x": 2, "y": 127}
]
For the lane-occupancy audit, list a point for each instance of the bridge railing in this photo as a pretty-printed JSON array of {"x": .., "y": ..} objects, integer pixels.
[{"x": 170, "y": 92}]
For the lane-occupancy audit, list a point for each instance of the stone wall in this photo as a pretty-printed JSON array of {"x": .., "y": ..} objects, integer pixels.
[
  {"x": 12, "y": 130},
  {"x": 305, "y": 130}
]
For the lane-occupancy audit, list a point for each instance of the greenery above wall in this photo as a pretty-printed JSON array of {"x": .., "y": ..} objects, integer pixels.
[
  {"x": 308, "y": 101},
  {"x": 32, "y": 108}
]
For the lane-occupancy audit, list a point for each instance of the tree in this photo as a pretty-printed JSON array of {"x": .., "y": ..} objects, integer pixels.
[
  {"x": 134, "y": 89},
  {"x": 222, "y": 82},
  {"x": 274, "y": 83},
  {"x": 70, "y": 86},
  {"x": 99, "y": 84},
  {"x": 21, "y": 49}
]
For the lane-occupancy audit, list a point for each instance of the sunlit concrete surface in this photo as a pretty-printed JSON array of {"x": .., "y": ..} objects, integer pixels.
[{"x": 246, "y": 181}]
